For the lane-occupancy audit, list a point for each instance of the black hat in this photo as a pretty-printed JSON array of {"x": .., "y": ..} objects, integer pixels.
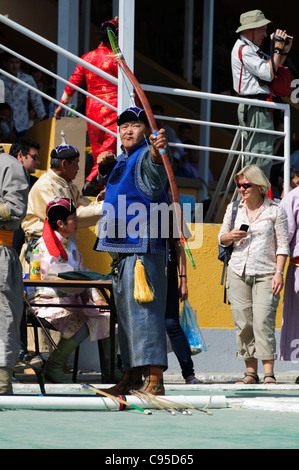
[
  {"x": 132, "y": 114},
  {"x": 65, "y": 152},
  {"x": 60, "y": 209},
  {"x": 113, "y": 24}
]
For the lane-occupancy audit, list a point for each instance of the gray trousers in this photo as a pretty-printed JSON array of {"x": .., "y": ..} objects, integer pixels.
[
  {"x": 254, "y": 312},
  {"x": 256, "y": 142},
  {"x": 141, "y": 326},
  {"x": 11, "y": 306}
]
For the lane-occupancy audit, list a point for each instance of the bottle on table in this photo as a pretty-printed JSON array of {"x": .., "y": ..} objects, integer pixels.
[{"x": 35, "y": 265}]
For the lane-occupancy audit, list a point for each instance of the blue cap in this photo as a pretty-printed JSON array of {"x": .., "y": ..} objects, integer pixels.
[
  {"x": 132, "y": 114},
  {"x": 65, "y": 152}
]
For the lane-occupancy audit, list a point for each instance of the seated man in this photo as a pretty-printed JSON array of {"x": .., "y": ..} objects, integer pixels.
[
  {"x": 56, "y": 182},
  {"x": 59, "y": 252}
]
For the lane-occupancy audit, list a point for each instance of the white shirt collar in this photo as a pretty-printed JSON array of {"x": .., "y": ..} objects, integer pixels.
[{"x": 251, "y": 44}]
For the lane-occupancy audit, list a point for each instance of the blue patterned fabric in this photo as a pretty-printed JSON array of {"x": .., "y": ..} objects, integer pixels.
[{"x": 122, "y": 232}]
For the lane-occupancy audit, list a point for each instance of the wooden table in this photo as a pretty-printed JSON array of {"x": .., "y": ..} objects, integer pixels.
[{"x": 105, "y": 287}]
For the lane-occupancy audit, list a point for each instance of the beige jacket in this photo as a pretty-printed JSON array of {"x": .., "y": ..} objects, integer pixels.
[{"x": 49, "y": 186}]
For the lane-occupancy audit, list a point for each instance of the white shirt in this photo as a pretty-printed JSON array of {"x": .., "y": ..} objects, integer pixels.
[
  {"x": 267, "y": 237},
  {"x": 18, "y": 96},
  {"x": 253, "y": 71}
]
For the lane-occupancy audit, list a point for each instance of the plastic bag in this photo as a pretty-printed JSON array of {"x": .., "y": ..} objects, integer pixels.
[{"x": 191, "y": 329}]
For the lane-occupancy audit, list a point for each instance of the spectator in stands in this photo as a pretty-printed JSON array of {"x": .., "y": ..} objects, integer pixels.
[
  {"x": 19, "y": 97},
  {"x": 184, "y": 131},
  {"x": 6, "y": 133},
  {"x": 170, "y": 132},
  {"x": 158, "y": 109},
  {"x": 100, "y": 140},
  {"x": 188, "y": 165},
  {"x": 252, "y": 74},
  {"x": 39, "y": 78}
]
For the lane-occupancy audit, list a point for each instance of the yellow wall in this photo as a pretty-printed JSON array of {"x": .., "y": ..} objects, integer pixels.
[
  {"x": 43, "y": 133},
  {"x": 48, "y": 134},
  {"x": 205, "y": 291}
]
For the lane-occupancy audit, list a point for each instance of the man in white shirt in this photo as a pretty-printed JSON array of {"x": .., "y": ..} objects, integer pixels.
[
  {"x": 252, "y": 74},
  {"x": 19, "y": 96}
]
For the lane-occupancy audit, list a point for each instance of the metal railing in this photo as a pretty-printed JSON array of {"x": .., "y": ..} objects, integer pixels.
[
  {"x": 68, "y": 55},
  {"x": 230, "y": 153}
]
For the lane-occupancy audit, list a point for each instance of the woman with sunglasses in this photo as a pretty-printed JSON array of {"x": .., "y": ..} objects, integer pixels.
[{"x": 255, "y": 271}]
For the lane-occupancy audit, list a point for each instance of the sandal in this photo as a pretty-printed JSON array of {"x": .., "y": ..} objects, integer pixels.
[
  {"x": 269, "y": 375},
  {"x": 191, "y": 380},
  {"x": 249, "y": 374}
]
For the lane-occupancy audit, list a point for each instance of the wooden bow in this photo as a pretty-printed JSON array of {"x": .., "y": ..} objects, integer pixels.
[{"x": 154, "y": 129}]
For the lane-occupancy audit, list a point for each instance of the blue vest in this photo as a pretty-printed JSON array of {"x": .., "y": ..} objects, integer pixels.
[{"x": 135, "y": 218}]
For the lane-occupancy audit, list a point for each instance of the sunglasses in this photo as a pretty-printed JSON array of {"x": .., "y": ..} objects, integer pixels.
[
  {"x": 245, "y": 185},
  {"x": 34, "y": 156}
]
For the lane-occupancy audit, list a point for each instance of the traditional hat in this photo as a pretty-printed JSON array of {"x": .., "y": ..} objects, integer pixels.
[
  {"x": 132, "y": 114},
  {"x": 58, "y": 209},
  {"x": 251, "y": 20},
  {"x": 64, "y": 152}
]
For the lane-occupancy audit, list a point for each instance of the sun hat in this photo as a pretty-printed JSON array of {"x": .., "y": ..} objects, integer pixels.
[{"x": 252, "y": 19}]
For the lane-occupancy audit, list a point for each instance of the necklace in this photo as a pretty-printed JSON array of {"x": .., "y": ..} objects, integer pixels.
[{"x": 251, "y": 213}]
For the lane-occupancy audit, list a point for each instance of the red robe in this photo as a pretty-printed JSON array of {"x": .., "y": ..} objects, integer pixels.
[{"x": 100, "y": 141}]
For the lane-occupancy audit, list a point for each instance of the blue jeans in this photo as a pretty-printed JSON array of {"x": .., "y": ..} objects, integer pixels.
[{"x": 174, "y": 330}]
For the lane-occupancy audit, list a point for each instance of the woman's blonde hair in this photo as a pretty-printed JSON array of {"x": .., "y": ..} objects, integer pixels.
[{"x": 255, "y": 176}]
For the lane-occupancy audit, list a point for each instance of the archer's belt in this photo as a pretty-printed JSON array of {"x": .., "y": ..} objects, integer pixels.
[
  {"x": 295, "y": 261},
  {"x": 6, "y": 237}
]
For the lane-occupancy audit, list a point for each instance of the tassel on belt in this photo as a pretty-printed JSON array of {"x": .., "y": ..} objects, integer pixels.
[
  {"x": 6, "y": 237},
  {"x": 295, "y": 261}
]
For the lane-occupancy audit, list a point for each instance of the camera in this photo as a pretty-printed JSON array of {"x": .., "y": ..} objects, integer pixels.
[{"x": 279, "y": 38}]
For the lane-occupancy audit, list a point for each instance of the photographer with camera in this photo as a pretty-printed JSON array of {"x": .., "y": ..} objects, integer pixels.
[{"x": 253, "y": 72}]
